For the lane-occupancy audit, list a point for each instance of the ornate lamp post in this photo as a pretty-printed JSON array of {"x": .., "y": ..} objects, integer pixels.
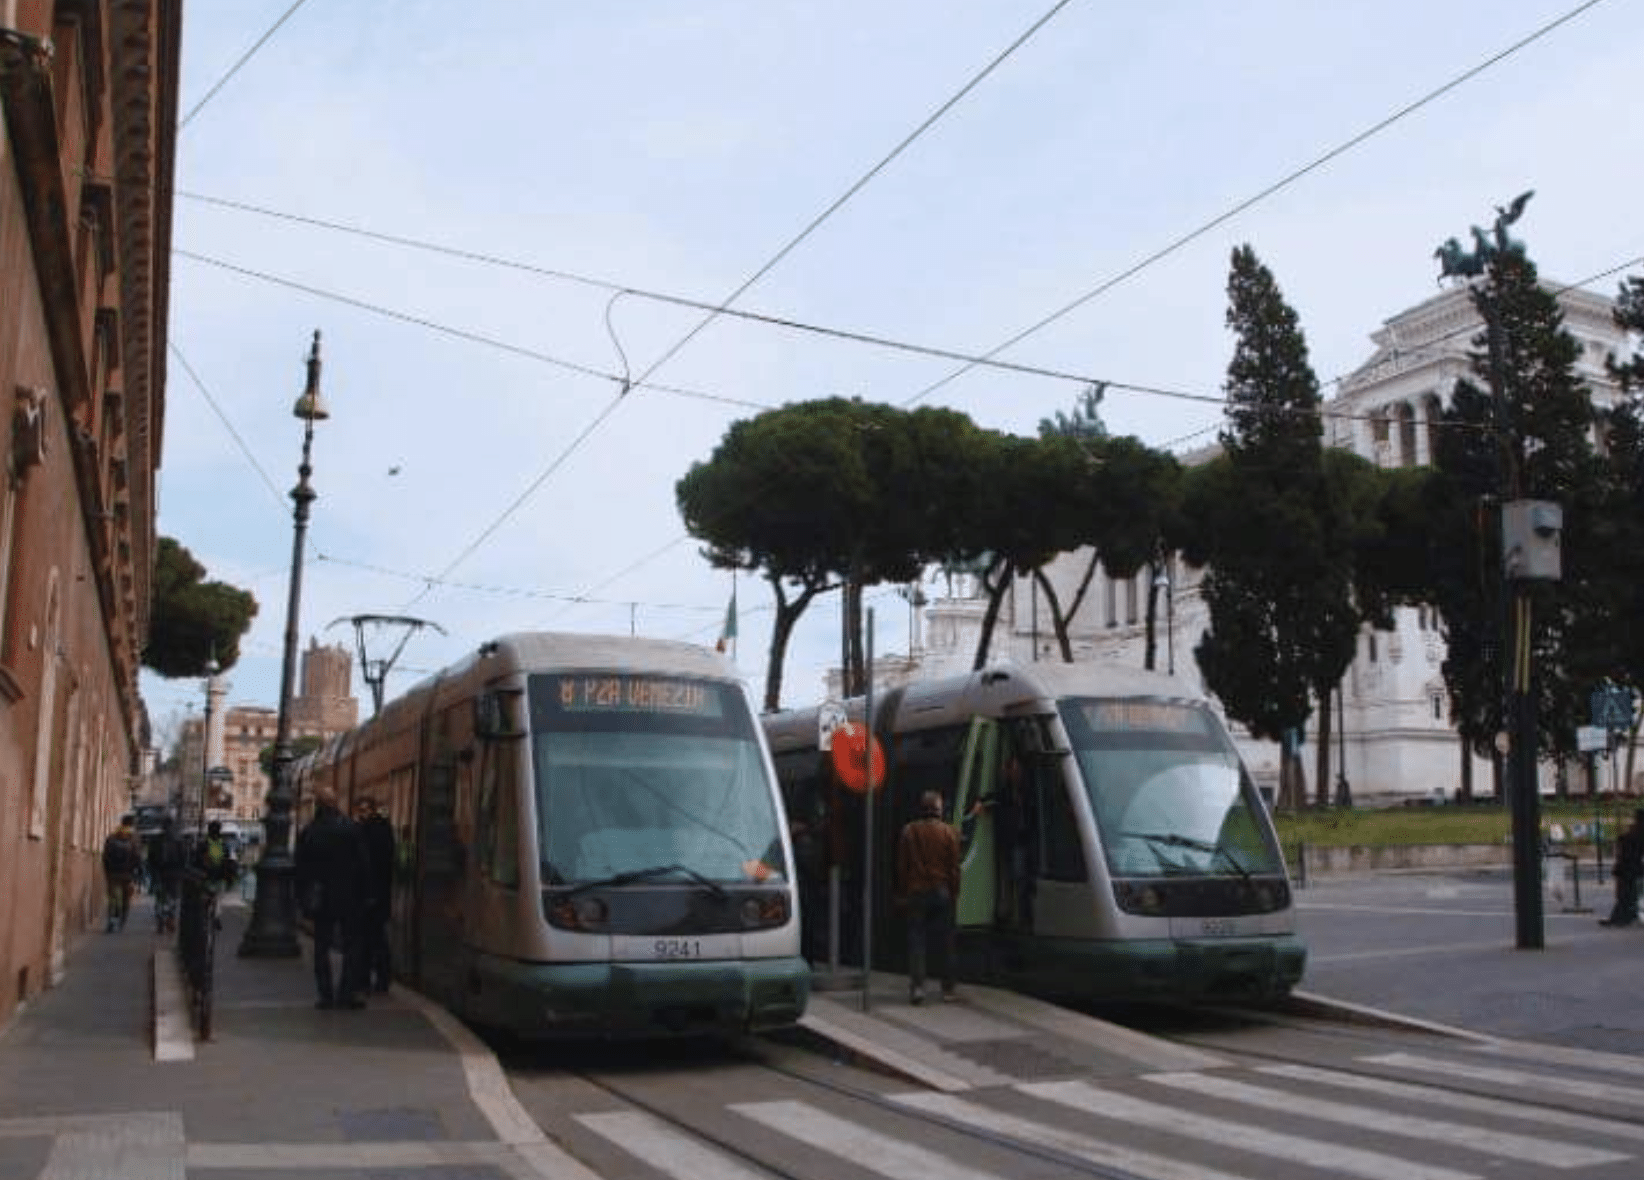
[{"x": 273, "y": 929}]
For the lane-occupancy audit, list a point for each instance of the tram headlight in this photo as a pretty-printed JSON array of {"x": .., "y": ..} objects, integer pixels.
[
  {"x": 578, "y": 913},
  {"x": 763, "y": 910},
  {"x": 1136, "y": 898}
]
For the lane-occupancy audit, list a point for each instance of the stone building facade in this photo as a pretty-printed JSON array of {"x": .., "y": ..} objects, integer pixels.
[
  {"x": 1393, "y": 735},
  {"x": 88, "y": 110}
]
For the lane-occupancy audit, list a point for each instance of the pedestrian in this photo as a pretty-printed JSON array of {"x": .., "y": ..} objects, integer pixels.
[
  {"x": 214, "y": 859},
  {"x": 927, "y": 865},
  {"x": 122, "y": 857},
  {"x": 333, "y": 886},
  {"x": 1629, "y": 874},
  {"x": 380, "y": 846},
  {"x": 166, "y": 861}
]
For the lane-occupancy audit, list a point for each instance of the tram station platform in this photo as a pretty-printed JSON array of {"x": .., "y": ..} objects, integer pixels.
[{"x": 985, "y": 1037}]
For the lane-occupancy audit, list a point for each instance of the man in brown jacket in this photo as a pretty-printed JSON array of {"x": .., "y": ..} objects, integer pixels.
[{"x": 927, "y": 864}]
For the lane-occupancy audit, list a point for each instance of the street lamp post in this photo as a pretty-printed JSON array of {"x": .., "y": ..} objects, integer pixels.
[{"x": 273, "y": 929}]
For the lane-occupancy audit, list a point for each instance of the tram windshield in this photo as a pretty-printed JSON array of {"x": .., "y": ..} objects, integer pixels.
[
  {"x": 1167, "y": 788},
  {"x": 648, "y": 778}
]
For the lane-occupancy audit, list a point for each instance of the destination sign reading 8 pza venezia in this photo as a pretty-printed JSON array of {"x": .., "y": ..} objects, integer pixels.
[{"x": 587, "y": 693}]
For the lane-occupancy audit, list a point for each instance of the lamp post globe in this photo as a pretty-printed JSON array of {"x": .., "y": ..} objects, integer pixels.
[{"x": 272, "y": 932}]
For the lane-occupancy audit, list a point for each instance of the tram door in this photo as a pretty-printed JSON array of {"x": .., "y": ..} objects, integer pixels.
[
  {"x": 441, "y": 862},
  {"x": 973, "y": 812}
]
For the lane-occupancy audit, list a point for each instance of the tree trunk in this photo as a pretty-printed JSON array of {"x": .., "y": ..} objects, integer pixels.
[
  {"x": 1465, "y": 795},
  {"x": 787, "y": 615},
  {"x": 1057, "y": 619},
  {"x": 996, "y": 598}
]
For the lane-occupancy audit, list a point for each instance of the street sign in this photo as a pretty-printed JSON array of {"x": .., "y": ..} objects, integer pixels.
[
  {"x": 1612, "y": 707},
  {"x": 1592, "y": 738}
]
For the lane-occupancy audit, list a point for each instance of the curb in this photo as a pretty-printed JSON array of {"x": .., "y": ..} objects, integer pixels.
[{"x": 172, "y": 1035}]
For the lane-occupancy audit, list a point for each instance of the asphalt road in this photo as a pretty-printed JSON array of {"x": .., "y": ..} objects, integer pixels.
[{"x": 1443, "y": 947}]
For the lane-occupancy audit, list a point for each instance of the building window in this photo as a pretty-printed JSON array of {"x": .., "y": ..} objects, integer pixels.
[
  {"x": 1371, "y": 637},
  {"x": 1438, "y": 706}
]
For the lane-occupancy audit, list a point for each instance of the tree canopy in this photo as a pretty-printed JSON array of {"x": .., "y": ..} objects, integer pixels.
[{"x": 193, "y": 621}]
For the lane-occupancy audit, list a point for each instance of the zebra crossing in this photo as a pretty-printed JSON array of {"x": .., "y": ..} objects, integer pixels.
[{"x": 1222, "y": 1124}]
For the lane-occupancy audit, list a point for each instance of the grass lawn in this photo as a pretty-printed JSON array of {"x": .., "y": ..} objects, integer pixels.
[{"x": 1452, "y": 824}]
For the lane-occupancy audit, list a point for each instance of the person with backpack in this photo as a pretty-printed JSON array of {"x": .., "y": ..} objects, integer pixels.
[
  {"x": 166, "y": 861},
  {"x": 214, "y": 859},
  {"x": 122, "y": 856}
]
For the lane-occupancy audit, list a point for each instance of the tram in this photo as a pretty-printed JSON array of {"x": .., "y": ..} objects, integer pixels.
[
  {"x": 1114, "y": 846},
  {"x": 591, "y": 840}
]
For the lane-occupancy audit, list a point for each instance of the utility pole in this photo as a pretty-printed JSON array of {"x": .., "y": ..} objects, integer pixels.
[{"x": 1530, "y": 538}]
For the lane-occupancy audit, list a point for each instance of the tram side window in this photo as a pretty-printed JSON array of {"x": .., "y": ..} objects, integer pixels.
[
  {"x": 498, "y": 835},
  {"x": 1064, "y": 860},
  {"x": 929, "y": 761}
]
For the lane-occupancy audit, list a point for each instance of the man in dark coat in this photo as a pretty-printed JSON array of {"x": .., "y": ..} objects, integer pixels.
[
  {"x": 166, "y": 860},
  {"x": 380, "y": 846},
  {"x": 333, "y": 889}
]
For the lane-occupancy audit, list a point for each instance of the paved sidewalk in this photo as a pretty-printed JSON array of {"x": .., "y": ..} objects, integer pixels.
[{"x": 283, "y": 1091}]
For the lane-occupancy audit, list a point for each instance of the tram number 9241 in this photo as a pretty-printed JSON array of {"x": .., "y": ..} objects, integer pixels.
[{"x": 676, "y": 948}]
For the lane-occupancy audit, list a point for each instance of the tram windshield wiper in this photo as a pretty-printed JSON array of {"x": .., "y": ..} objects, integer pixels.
[
  {"x": 1238, "y": 865},
  {"x": 1176, "y": 840},
  {"x": 633, "y": 875}
]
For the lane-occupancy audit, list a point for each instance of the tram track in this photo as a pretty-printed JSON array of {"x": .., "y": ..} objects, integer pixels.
[
  {"x": 842, "y": 1098},
  {"x": 1460, "y": 1041}
]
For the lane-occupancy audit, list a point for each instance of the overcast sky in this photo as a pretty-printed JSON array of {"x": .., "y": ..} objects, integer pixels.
[{"x": 483, "y": 468}]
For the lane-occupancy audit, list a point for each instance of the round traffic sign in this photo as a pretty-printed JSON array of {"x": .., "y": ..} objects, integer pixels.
[{"x": 852, "y": 759}]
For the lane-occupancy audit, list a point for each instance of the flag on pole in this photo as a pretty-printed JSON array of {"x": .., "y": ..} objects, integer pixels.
[{"x": 727, "y": 633}]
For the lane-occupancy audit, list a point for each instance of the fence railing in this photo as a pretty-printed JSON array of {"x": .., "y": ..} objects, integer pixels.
[{"x": 197, "y": 946}]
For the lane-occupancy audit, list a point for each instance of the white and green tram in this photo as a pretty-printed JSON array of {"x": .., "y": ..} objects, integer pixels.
[
  {"x": 591, "y": 839},
  {"x": 1114, "y": 845}
]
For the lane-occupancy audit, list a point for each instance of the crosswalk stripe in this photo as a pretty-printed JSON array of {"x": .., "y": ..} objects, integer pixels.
[
  {"x": 1138, "y": 1163},
  {"x": 1542, "y": 1083},
  {"x": 865, "y": 1148},
  {"x": 1478, "y": 1104},
  {"x": 1372, "y": 1165},
  {"x": 665, "y": 1149},
  {"x": 1551, "y": 1152}
]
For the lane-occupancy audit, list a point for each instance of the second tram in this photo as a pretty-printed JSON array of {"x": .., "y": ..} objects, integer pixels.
[{"x": 1114, "y": 845}]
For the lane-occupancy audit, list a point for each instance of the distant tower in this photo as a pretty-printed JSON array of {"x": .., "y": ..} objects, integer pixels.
[{"x": 326, "y": 701}]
